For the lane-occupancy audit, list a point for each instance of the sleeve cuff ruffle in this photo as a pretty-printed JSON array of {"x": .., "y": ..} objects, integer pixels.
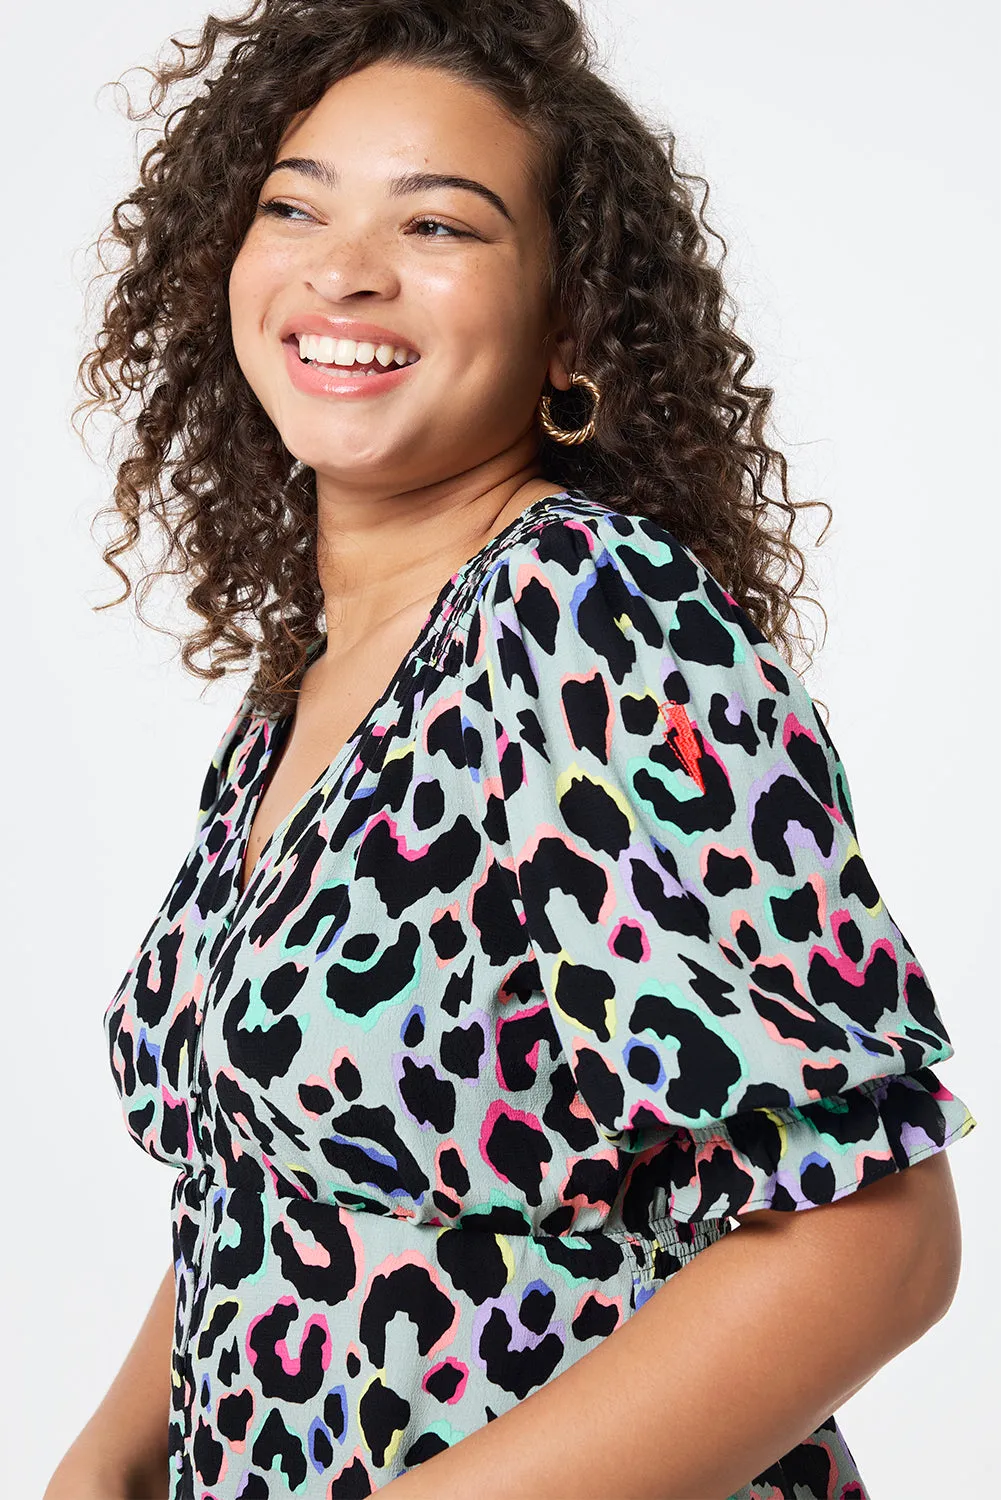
[{"x": 800, "y": 1157}]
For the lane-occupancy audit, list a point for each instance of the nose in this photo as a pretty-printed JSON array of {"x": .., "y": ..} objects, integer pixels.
[{"x": 352, "y": 265}]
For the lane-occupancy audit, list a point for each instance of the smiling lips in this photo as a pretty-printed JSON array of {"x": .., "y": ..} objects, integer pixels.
[
  {"x": 348, "y": 354},
  {"x": 385, "y": 367}
]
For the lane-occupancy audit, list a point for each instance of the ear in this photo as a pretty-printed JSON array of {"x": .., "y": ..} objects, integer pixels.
[{"x": 561, "y": 359}]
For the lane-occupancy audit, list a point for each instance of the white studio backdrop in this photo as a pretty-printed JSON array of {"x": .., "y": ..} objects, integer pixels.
[{"x": 852, "y": 157}]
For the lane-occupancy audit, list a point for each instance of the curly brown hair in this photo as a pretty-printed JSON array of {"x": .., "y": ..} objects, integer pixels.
[{"x": 679, "y": 433}]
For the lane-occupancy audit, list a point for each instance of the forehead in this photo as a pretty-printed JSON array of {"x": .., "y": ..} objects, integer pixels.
[{"x": 390, "y": 116}]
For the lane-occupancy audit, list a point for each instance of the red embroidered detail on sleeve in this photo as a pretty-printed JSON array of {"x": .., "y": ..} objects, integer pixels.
[{"x": 683, "y": 743}]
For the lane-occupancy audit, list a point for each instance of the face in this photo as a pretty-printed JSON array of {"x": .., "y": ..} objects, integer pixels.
[{"x": 445, "y": 271}]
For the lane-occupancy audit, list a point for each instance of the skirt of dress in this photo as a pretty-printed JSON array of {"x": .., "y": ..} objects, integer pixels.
[{"x": 320, "y": 1352}]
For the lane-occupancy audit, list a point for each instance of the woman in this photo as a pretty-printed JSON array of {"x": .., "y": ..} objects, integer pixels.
[{"x": 524, "y": 950}]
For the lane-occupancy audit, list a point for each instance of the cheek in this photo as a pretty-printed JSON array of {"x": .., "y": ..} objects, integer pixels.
[
  {"x": 248, "y": 303},
  {"x": 253, "y": 281},
  {"x": 241, "y": 286},
  {"x": 481, "y": 314},
  {"x": 239, "y": 312}
]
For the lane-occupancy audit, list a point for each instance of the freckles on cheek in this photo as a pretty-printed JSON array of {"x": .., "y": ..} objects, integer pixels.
[
  {"x": 256, "y": 276},
  {"x": 467, "y": 296}
]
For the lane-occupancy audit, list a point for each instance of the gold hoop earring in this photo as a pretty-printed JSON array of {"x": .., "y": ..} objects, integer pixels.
[{"x": 559, "y": 434}]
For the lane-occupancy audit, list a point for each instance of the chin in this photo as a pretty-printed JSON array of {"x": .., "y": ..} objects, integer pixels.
[{"x": 341, "y": 467}]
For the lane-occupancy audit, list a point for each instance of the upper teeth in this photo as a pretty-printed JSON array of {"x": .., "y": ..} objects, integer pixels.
[{"x": 328, "y": 351}]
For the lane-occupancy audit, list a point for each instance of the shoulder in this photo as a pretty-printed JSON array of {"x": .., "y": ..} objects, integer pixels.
[
  {"x": 598, "y": 613},
  {"x": 609, "y": 574}
]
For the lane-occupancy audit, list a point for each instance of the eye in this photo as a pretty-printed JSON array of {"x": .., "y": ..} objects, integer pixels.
[
  {"x": 459, "y": 234},
  {"x": 279, "y": 210}
]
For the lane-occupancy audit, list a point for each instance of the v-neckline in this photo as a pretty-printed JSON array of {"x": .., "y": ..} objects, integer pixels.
[{"x": 276, "y": 732}]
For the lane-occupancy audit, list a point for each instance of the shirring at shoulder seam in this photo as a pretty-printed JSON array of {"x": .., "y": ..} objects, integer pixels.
[
  {"x": 473, "y": 586},
  {"x": 603, "y": 522},
  {"x": 581, "y": 508}
]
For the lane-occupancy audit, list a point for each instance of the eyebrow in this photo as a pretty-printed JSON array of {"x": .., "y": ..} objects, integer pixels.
[{"x": 411, "y": 182}]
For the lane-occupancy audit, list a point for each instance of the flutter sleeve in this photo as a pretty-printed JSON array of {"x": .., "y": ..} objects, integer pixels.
[{"x": 725, "y": 979}]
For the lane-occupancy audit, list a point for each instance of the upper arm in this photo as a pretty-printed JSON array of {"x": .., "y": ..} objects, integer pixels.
[
  {"x": 728, "y": 985},
  {"x": 905, "y": 1227}
]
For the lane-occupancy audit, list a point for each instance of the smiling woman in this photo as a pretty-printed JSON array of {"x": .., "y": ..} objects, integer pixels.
[{"x": 525, "y": 949}]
